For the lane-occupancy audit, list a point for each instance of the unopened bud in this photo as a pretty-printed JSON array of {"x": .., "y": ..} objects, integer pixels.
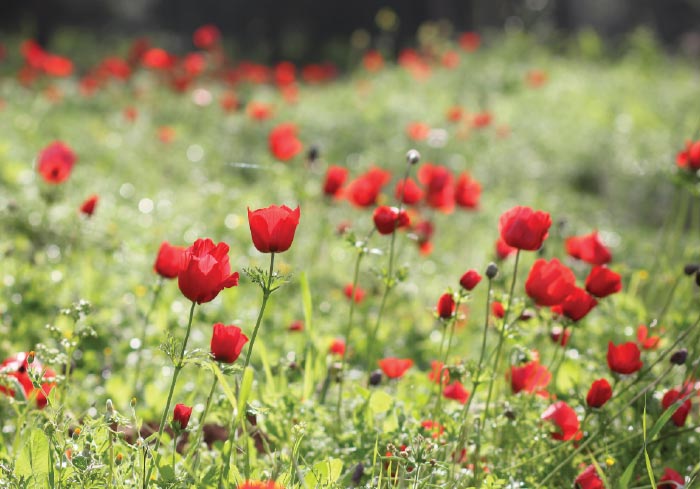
[
  {"x": 697, "y": 278},
  {"x": 358, "y": 473},
  {"x": 313, "y": 153},
  {"x": 119, "y": 458},
  {"x": 492, "y": 270},
  {"x": 691, "y": 268},
  {"x": 30, "y": 357},
  {"x": 679, "y": 356},
  {"x": 412, "y": 157},
  {"x": 133, "y": 402},
  {"x": 375, "y": 377},
  {"x": 110, "y": 407}
]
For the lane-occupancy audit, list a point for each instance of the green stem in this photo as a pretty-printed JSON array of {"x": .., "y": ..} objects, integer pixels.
[
  {"x": 144, "y": 331},
  {"x": 194, "y": 450}
]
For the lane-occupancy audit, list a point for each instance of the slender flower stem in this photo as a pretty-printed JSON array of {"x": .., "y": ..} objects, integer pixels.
[
  {"x": 194, "y": 450},
  {"x": 178, "y": 367},
  {"x": 144, "y": 331}
]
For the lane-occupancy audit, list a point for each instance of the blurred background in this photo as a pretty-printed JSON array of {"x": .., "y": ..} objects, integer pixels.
[{"x": 310, "y": 30}]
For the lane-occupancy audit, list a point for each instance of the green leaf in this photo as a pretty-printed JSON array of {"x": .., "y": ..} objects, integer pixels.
[
  {"x": 647, "y": 461},
  {"x": 324, "y": 473},
  {"x": 306, "y": 302},
  {"x": 224, "y": 385},
  {"x": 33, "y": 461},
  {"x": 380, "y": 402},
  {"x": 246, "y": 387}
]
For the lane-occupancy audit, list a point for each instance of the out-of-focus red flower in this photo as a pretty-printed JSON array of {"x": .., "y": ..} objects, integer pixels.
[
  {"x": 418, "y": 131},
  {"x": 470, "y": 279},
  {"x": 482, "y": 119},
  {"x": 88, "y": 207},
  {"x": 408, "y": 191},
  {"x": 576, "y": 305},
  {"x": 166, "y": 134},
  {"x": 227, "y": 342},
  {"x": 181, "y": 416},
  {"x": 259, "y": 111},
  {"x": 131, "y": 114},
  {"x": 395, "y": 368},
  {"x": 318, "y": 73},
  {"x": 285, "y": 73},
  {"x": 373, "y": 61},
  {"x": 524, "y": 228},
  {"x": 624, "y": 358},
  {"x": 589, "y": 479},
  {"x": 388, "y": 219},
  {"x": 599, "y": 393},
  {"x": 670, "y": 476},
  {"x": 455, "y": 113},
  {"x": 364, "y": 190},
  {"x": 503, "y": 250},
  {"x": 446, "y": 306},
  {"x": 194, "y": 64},
  {"x": 588, "y": 248},
  {"x": 116, "y": 68},
  {"x": 424, "y": 231},
  {"x": 358, "y": 296},
  {"x": 337, "y": 347},
  {"x": 436, "y": 367},
  {"x": 549, "y": 283},
  {"x": 58, "y": 66},
  {"x": 469, "y": 41},
  {"x": 439, "y": 186},
  {"x": 433, "y": 427},
  {"x": 564, "y": 418},
  {"x": 456, "y": 392},
  {"x": 560, "y": 335},
  {"x": 536, "y": 78},
  {"x": 497, "y": 309},
  {"x": 681, "y": 413},
  {"x": 206, "y": 36},
  {"x": 272, "y": 228},
  {"x": 18, "y": 367},
  {"x": 602, "y": 282},
  {"x": 467, "y": 192},
  {"x": 229, "y": 101},
  {"x": 297, "y": 325},
  {"x": 158, "y": 59},
  {"x": 283, "y": 141},
  {"x": 531, "y": 377},
  {"x": 56, "y": 162},
  {"x": 450, "y": 59},
  {"x": 645, "y": 341},
  {"x": 169, "y": 260},
  {"x": 335, "y": 178},
  {"x": 205, "y": 271},
  {"x": 689, "y": 158},
  {"x": 251, "y": 484},
  {"x": 137, "y": 49}
]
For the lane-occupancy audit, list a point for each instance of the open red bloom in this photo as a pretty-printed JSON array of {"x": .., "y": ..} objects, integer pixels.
[
  {"x": 388, "y": 219},
  {"x": 438, "y": 181},
  {"x": 446, "y": 306},
  {"x": 410, "y": 193},
  {"x": 206, "y": 36},
  {"x": 681, "y": 413},
  {"x": 169, "y": 260},
  {"x": 564, "y": 418},
  {"x": 335, "y": 178},
  {"x": 576, "y": 305},
  {"x": 602, "y": 282},
  {"x": 337, "y": 347},
  {"x": 599, "y": 393},
  {"x": 531, "y": 377},
  {"x": 394, "y": 368},
  {"x": 205, "y": 271},
  {"x": 524, "y": 228},
  {"x": 357, "y": 296},
  {"x": 181, "y": 415},
  {"x": 364, "y": 190},
  {"x": 690, "y": 157},
  {"x": 456, "y": 392},
  {"x": 88, "y": 207},
  {"x": 227, "y": 343},
  {"x": 470, "y": 279},
  {"x": 624, "y": 358},
  {"x": 503, "y": 250},
  {"x": 670, "y": 476},
  {"x": 283, "y": 141},
  {"x": 436, "y": 367},
  {"x": 549, "y": 283},
  {"x": 589, "y": 479},
  {"x": 18, "y": 368},
  {"x": 645, "y": 341},
  {"x": 467, "y": 192},
  {"x": 273, "y": 228},
  {"x": 56, "y": 162},
  {"x": 589, "y": 249}
]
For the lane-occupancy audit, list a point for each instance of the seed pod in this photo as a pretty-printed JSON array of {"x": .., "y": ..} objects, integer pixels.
[
  {"x": 492, "y": 271},
  {"x": 679, "y": 357}
]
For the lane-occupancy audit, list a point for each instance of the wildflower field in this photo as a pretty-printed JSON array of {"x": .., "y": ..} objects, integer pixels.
[{"x": 472, "y": 265}]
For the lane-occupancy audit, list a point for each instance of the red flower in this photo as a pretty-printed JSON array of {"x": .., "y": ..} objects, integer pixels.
[
  {"x": 418, "y": 131},
  {"x": 227, "y": 343},
  {"x": 259, "y": 111},
  {"x": 206, "y": 37},
  {"x": 158, "y": 59},
  {"x": 388, "y": 219},
  {"x": 456, "y": 391},
  {"x": 690, "y": 158},
  {"x": 645, "y": 341},
  {"x": 599, "y": 393},
  {"x": 531, "y": 378},
  {"x": 373, "y": 61},
  {"x": 549, "y": 283},
  {"x": 470, "y": 279},
  {"x": 433, "y": 427},
  {"x": 467, "y": 192},
  {"x": 424, "y": 230},
  {"x": 56, "y": 162},
  {"x": 335, "y": 178},
  {"x": 455, "y": 114},
  {"x": 18, "y": 367},
  {"x": 503, "y": 250},
  {"x": 181, "y": 416},
  {"x": 439, "y": 186},
  {"x": 589, "y": 479},
  {"x": 681, "y": 413},
  {"x": 565, "y": 419},
  {"x": 229, "y": 101},
  {"x": 576, "y": 305},
  {"x": 283, "y": 141},
  {"x": 671, "y": 476},
  {"x": 273, "y": 228},
  {"x": 469, "y": 41},
  {"x": 259, "y": 485},
  {"x": 434, "y": 374},
  {"x": 285, "y": 73},
  {"x": 446, "y": 306},
  {"x": 482, "y": 119},
  {"x": 169, "y": 260},
  {"x": 523, "y": 228},
  {"x": 394, "y": 368},
  {"x": 602, "y": 282},
  {"x": 337, "y": 347},
  {"x": 410, "y": 193},
  {"x": 589, "y": 249},
  {"x": 497, "y": 309},
  {"x": 536, "y": 78},
  {"x": 205, "y": 271},
  {"x": 88, "y": 207},
  {"x": 560, "y": 335},
  {"x": 359, "y": 293},
  {"x": 624, "y": 358},
  {"x": 55, "y": 65},
  {"x": 364, "y": 190},
  {"x": 296, "y": 326}
]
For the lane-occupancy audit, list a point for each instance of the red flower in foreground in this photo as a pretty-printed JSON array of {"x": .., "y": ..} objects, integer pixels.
[
  {"x": 564, "y": 418},
  {"x": 181, "y": 416},
  {"x": 273, "y": 228},
  {"x": 602, "y": 282},
  {"x": 409, "y": 192},
  {"x": 205, "y": 271},
  {"x": 549, "y": 283},
  {"x": 531, "y": 377},
  {"x": 624, "y": 358},
  {"x": 681, "y": 413},
  {"x": 645, "y": 341},
  {"x": 670, "y": 476},
  {"x": 599, "y": 393},
  {"x": 388, "y": 219},
  {"x": 227, "y": 343},
  {"x": 524, "y": 228},
  {"x": 206, "y": 37},
  {"x": 470, "y": 279},
  {"x": 18, "y": 367},
  {"x": 56, "y": 162},
  {"x": 589, "y": 479},
  {"x": 169, "y": 260},
  {"x": 467, "y": 192},
  {"x": 283, "y": 142},
  {"x": 434, "y": 374},
  {"x": 503, "y": 250},
  {"x": 588, "y": 248},
  {"x": 88, "y": 207},
  {"x": 364, "y": 190},
  {"x": 394, "y": 368},
  {"x": 446, "y": 306},
  {"x": 576, "y": 305},
  {"x": 358, "y": 296},
  {"x": 337, "y": 347},
  {"x": 335, "y": 178},
  {"x": 456, "y": 392}
]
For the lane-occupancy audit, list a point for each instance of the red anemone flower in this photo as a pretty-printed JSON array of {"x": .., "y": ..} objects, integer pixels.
[
  {"x": 205, "y": 271},
  {"x": 456, "y": 392},
  {"x": 599, "y": 393},
  {"x": 681, "y": 413},
  {"x": 227, "y": 343},
  {"x": 524, "y": 228},
  {"x": 394, "y": 368},
  {"x": 624, "y": 358},
  {"x": 283, "y": 141},
  {"x": 56, "y": 162},
  {"x": 549, "y": 283},
  {"x": 273, "y": 228},
  {"x": 602, "y": 282},
  {"x": 564, "y": 418},
  {"x": 531, "y": 377},
  {"x": 588, "y": 248}
]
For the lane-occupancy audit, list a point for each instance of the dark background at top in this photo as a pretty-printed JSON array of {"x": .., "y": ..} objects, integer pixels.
[{"x": 266, "y": 26}]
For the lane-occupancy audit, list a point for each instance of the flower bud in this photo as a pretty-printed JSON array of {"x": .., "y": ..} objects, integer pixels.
[
  {"x": 313, "y": 153},
  {"x": 691, "y": 268},
  {"x": 30, "y": 357},
  {"x": 491, "y": 271},
  {"x": 358, "y": 473},
  {"x": 679, "y": 356},
  {"x": 412, "y": 157},
  {"x": 375, "y": 377}
]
